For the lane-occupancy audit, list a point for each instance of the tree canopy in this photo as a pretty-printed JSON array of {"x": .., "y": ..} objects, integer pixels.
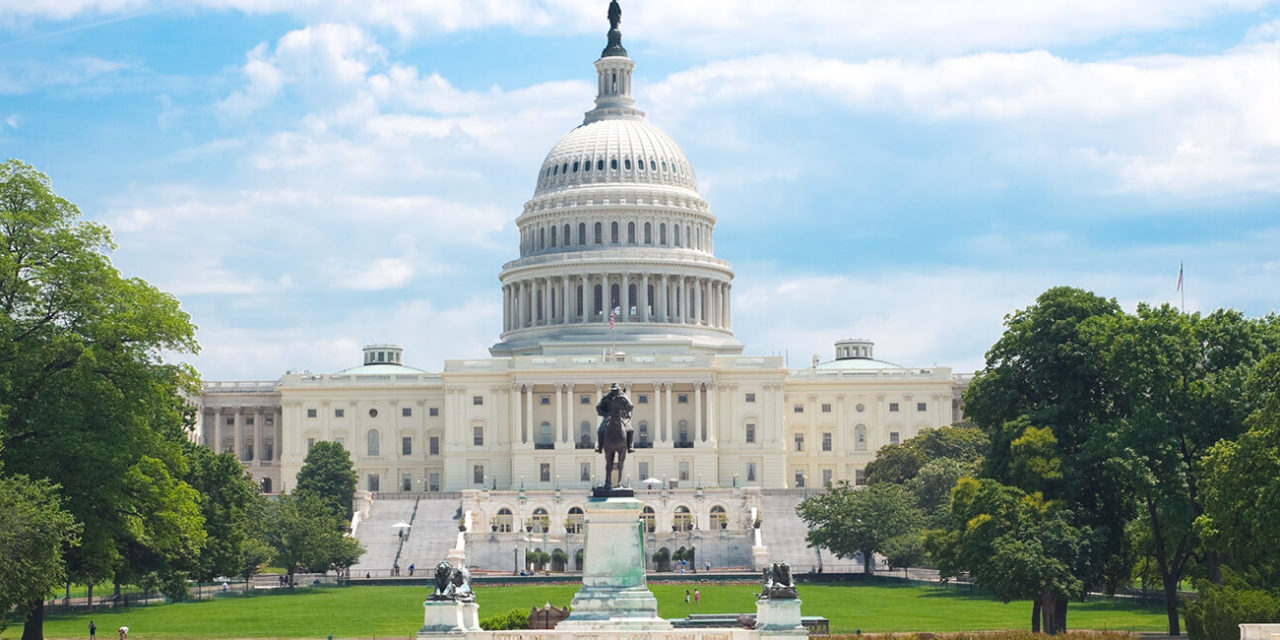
[
  {"x": 848, "y": 521},
  {"x": 328, "y": 474}
]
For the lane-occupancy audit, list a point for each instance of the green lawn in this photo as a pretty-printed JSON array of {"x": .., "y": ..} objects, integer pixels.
[{"x": 396, "y": 612}]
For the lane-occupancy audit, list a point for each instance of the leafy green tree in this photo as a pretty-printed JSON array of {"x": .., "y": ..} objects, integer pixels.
[
  {"x": 932, "y": 486},
  {"x": 1016, "y": 544},
  {"x": 899, "y": 463},
  {"x": 227, "y": 498},
  {"x": 86, "y": 399},
  {"x": 1046, "y": 371},
  {"x": 328, "y": 474},
  {"x": 1178, "y": 388},
  {"x": 905, "y": 551},
  {"x": 848, "y": 521},
  {"x": 36, "y": 532},
  {"x": 304, "y": 534}
]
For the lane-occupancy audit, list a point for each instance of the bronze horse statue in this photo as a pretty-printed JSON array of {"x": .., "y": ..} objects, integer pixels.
[{"x": 614, "y": 436}]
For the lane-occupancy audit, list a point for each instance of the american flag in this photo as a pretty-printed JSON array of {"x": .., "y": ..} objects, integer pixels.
[
  {"x": 1177, "y": 289},
  {"x": 611, "y": 314}
]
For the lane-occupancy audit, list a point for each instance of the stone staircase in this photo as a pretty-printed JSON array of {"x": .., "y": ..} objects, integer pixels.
[
  {"x": 379, "y": 538},
  {"x": 435, "y": 530},
  {"x": 783, "y": 531}
]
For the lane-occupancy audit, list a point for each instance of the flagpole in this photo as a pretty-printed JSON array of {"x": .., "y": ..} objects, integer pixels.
[{"x": 1182, "y": 290}]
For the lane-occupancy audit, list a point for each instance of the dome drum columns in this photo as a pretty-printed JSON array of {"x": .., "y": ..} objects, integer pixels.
[{"x": 640, "y": 298}]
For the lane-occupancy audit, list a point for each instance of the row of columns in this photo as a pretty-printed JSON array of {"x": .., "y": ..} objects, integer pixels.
[
  {"x": 565, "y": 431},
  {"x": 535, "y": 239},
  {"x": 676, "y": 299},
  {"x": 247, "y": 440}
]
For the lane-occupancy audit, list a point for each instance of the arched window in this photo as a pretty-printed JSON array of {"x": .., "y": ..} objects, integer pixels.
[
  {"x": 675, "y": 229},
  {"x": 682, "y": 432},
  {"x": 586, "y": 165},
  {"x": 614, "y": 297},
  {"x": 627, "y": 163},
  {"x": 662, "y": 234},
  {"x": 568, "y": 238},
  {"x": 553, "y": 237},
  {"x": 575, "y": 166},
  {"x": 631, "y": 233},
  {"x": 584, "y": 435},
  {"x": 648, "y": 233},
  {"x": 613, "y": 164},
  {"x": 653, "y": 166},
  {"x": 613, "y": 232},
  {"x": 600, "y": 165},
  {"x": 373, "y": 442},
  {"x": 573, "y": 521},
  {"x": 540, "y": 520},
  {"x": 719, "y": 519},
  {"x": 544, "y": 434},
  {"x": 247, "y": 454},
  {"x": 564, "y": 168},
  {"x": 682, "y": 520},
  {"x": 268, "y": 449},
  {"x": 642, "y": 432},
  {"x": 582, "y": 233},
  {"x": 503, "y": 521},
  {"x": 640, "y": 162},
  {"x": 542, "y": 239},
  {"x": 860, "y": 438},
  {"x": 599, "y": 233},
  {"x": 266, "y": 485},
  {"x": 647, "y": 516}
]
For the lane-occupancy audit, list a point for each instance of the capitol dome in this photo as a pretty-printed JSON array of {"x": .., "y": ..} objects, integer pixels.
[{"x": 616, "y": 247}]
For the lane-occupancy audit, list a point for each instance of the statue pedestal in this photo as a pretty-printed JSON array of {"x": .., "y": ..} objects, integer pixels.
[
  {"x": 779, "y": 618},
  {"x": 449, "y": 618},
  {"x": 614, "y": 594}
]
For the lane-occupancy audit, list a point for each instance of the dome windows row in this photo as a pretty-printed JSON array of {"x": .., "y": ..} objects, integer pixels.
[
  {"x": 555, "y": 173},
  {"x": 553, "y": 236}
]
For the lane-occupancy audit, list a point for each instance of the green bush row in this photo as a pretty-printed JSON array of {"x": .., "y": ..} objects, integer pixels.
[{"x": 512, "y": 619}]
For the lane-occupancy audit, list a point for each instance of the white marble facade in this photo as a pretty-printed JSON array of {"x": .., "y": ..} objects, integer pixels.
[{"x": 616, "y": 227}]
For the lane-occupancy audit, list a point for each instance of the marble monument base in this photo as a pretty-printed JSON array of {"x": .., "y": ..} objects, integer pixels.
[
  {"x": 614, "y": 595},
  {"x": 449, "y": 618},
  {"x": 779, "y": 618}
]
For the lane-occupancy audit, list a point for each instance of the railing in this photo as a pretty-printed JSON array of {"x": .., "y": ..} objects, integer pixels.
[
  {"x": 643, "y": 445},
  {"x": 687, "y": 444},
  {"x": 544, "y": 445},
  {"x": 583, "y": 445}
]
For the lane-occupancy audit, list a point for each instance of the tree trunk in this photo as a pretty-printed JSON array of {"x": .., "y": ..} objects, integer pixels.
[
  {"x": 1213, "y": 563},
  {"x": 1060, "y": 616},
  {"x": 34, "y": 628},
  {"x": 1047, "y": 610},
  {"x": 1171, "y": 604},
  {"x": 1035, "y": 616},
  {"x": 89, "y": 600},
  {"x": 867, "y": 560}
]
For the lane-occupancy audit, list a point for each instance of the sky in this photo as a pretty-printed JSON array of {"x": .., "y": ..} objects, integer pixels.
[{"x": 308, "y": 176}]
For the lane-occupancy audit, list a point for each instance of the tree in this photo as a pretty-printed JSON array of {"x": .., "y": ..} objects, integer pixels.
[
  {"x": 86, "y": 399},
  {"x": 304, "y": 534},
  {"x": 327, "y": 474},
  {"x": 35, "y": 534},
  {"x": 1046, "y": 371},
  {"x": 1177, "y": 389},
  {"x": 227, "y": 497},
  {"x": 848, "y": 521},
  {"x": 1016, "y": 544},
  {"x": 899, "y": 463}
]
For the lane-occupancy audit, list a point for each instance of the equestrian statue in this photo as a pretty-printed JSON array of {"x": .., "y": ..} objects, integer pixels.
[{"x": 614, "y": 437}]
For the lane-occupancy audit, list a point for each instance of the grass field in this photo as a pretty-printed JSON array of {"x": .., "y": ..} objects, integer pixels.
[{"x": 396, "y": 612}]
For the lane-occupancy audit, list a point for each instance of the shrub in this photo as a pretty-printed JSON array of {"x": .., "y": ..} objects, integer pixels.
[
  {"x": 512, "y": 619},
  {"x": 1220, "y": 608}
]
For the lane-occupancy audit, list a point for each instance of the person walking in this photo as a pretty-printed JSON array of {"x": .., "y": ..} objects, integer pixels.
[
  {"x": 93, "y": 631},
  {"x": 696, "y": 596},
  {"x": 686, "y": 596}
]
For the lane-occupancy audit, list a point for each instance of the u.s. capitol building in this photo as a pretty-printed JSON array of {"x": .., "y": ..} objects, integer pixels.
[{"x": 616, "y": 227}]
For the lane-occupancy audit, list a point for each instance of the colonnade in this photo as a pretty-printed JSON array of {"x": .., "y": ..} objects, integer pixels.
[
  {"x": 659, "y": 415},
  {"x": 649, "y": 298},
  {"x": 252, "y": 433}
]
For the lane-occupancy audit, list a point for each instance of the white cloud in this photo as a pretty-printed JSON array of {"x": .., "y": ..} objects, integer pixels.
[
  {"x": 383, "y": 273},
  {"x": 12, "y": 121}
]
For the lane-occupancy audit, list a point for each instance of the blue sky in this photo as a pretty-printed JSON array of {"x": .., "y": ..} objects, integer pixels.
[{"x": 308, "y": 176}]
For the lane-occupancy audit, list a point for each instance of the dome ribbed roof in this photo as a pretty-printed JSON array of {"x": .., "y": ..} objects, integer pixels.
[{"x": 622, "y": 151}]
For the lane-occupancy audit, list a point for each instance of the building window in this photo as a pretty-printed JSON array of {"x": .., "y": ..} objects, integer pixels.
[
  {"x": 373, "y": 442},
  {"x": 683, "y": 520},
  {"x": 433, "y": 480},
  {"x": 270, "y": 421},
  {"x": 650, "y": 522},
  {"x": 406, "y": 483},
  {"x": 311, "y": 442},
  {"x": 682, "y": 398},
  {"x": 826, "y": 477},
  {"x": 373, "y": 413},
  {"x": 584, "y": 471},
  {"x": 406, "y": 446},
  {"x": 372, "y": 482},
  {"x": 311, "y": 413},
  {"x": 798, "y": 408},
  {"x": 544, "y": 400},
  {"x": 751, "y": 472},
  {"x": 860, "y": 407},
  {"x": 544, "y": 436},
  {"x": 249, "y": 421},
  {"x": 826, "y": 441},
  {"x": 860, "y": 438},
  {"x": 406, "y": 412},
  {"x": 799, "y": 442},
  {"x": 799, "y": 478},
  {"x": 341, "y": 442},
  {"x": 477, "y": 436},
  {"x": 644, "y": 471},
  {"x": 477, "y": 474},
  {"x": 684, "y": 471},
  {"x": 433, "y": 412},
  {"x": 584, "y": 399},
  {"x": 719, "y": 518},
  {"x": 643, "y": 399},
  {"x": 503, "y": 520},
  {"x": 826, "y": 408},
  {"x": 339, "y": 413},
  {"x": 683, "y": 432},
  {"x": 922, "y": 406},
  {"x": 433, "y": 445},
  {"x": 642, "y": 434},
  {"x": 893, "y": 407},
  {"x": 544, "y": 472},
  {"x": 573, "y": 521},
  {"x": 477, "y": 400},
  {"x": 751, "y": 433},
  {"x": 859, "y": 477},
  {"x": 231, "y": 421},
  {"x": 893, "y": 437},
  {"x": 751, "y": 397}
]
